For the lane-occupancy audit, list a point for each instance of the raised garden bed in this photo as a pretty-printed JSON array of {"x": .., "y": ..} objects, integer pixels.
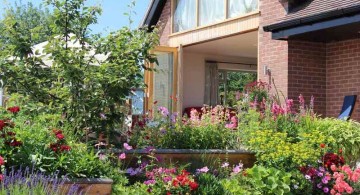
[
  {"x": 89, "y": 186},
  {"x": 196, "y": 158}
]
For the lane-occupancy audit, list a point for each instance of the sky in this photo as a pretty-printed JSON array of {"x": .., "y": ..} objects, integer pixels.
[{"x": 112, "y": 17}]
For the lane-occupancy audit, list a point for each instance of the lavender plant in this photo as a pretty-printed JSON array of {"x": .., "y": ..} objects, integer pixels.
[{"x": 27, "y": 182}]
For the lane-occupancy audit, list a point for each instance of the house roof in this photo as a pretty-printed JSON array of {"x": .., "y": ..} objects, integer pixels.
[
  {"x": 316, "y": 11},
  {"x": 153, "y": 13}
]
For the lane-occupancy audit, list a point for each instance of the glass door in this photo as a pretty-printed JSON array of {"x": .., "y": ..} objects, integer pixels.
[{"x": 162, "y": 82}]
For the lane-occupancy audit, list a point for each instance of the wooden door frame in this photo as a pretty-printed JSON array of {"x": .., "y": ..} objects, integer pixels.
[{"x": 149, "y": 78}]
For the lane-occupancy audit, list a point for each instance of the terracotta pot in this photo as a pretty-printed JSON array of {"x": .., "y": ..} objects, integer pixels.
[
  {"x": 88, "y": 186},
  {"x": 196, "y": 158}
]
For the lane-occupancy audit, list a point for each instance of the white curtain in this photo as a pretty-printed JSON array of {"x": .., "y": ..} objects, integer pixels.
[
  {"x": 238, "y": 7},
  {"x": 211, "y": 11},
  {"x": 185, "y": 15},
  {"x": 211, "y": 84}
]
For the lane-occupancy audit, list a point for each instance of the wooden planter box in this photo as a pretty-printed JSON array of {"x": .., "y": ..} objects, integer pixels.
[
  {"x": 196, "y": 158},
  {"x": 88, "y": 186}
]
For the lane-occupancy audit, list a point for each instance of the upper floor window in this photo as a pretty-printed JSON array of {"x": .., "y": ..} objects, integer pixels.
[{"x": 189, "y": 14}]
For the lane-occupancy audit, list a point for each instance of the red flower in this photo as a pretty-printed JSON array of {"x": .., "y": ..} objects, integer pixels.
[
  {"x": 15, "y": 143},
  {"x": 168, "y": 193},
  {"x": 322, "y": 145},
  {"x": 60, "y": 136},
  {"x": 57, "y": 131},
  {"x": 65, "y": 148},
  {"x": 340, "y": 151},
  {"x": 10, "y": 133},
  {"x": 14, "y": 109},
  {"x": 193, "y": 185},
  {"x": 184, "y": 172},
  {"x": 1, "y": 177},
  {"x": 54, "y": 147},
  {"x": 175, "y": 183},
  {"x": 2, "y": 161},
  {"x": 333, "y": 159},
  {"x": 2, "y": 124}
]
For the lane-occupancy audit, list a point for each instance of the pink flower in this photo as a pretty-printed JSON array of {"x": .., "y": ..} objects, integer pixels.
[
  {"x": 122, "y": 156},
  {"x": 237, "y": 168},
  {"x": 1, "y": 177},
  {"x": 225, "y": 164},
  {"x": 2, "y": 161},
  {"x": 203, "y": 170},
  {"x": 127, "y": 146},
  {"x": 333, "y": 168}
]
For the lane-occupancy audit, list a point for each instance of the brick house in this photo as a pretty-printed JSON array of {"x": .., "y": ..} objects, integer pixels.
[{"x": 310, "y": 47}]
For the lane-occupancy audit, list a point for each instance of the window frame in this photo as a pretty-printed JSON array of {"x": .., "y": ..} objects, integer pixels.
[{"x": 197, "y": 14}]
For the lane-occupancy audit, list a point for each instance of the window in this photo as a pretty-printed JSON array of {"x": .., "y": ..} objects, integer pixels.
[
  {"x": 239, "y": 7},
  {"x": 137, "y": 102},
  {"x": 185, "y": 15},
  {"x": 189, "y": 14},
  {"x": 211, "y": 11},
  {"x": 231, "y": 84},
  {"x": 163, "y": 80}
]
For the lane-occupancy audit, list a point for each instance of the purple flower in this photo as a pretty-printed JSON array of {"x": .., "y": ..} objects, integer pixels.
[
  {"x": 164, "y": 111},
  {"x": 167, "y": 179},
  {"x": 324, "y": 180},
  {"x": 321, "y": 168},
  {"x": 149, "y": 182},
  {"x": 319, "y": 185},
  {"x": 103, "y": 116},
  {"x": 326, "y": 189},
  {"x": 127, "y": 146},
  {"x": 173, "y": 117},
  {"x": 320, "y": 174},
  {"x": 202, "y": 170},
  {"x": 102, "y": 156},
  {"x": 149, "y": 149},
  {"x": 133, "y": 171}
]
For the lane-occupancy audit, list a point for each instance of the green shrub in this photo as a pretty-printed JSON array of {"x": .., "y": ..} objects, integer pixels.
[
  {"x": 269, "y": 180},
  {"x": 346, "y": 135},
  {"x": 209, "y": 185}
]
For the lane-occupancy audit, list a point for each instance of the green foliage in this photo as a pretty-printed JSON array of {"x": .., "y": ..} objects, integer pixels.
[
  {"x": 233, "y": 186},
  {"x": 209, "y": 185},
  {"x": 270, "y": 180},
  {"x": 136, "y": 189},
  {"x": 88, "y": 76},
  {"x": 27, "y": 24},
  {"x": 278, "y": 150},
  {"x": 346, "y": 136}
]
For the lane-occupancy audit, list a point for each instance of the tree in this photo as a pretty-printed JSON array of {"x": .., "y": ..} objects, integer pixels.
[
  {"x": 31, "y": 23},
  {"x": 89, "y": 90}
]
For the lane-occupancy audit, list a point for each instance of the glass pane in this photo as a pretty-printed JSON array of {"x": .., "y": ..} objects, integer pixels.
[
  {"x": 233, "y": 85},
  {"x": 211, "y": 11},
  {"x": 185, "y": 15},
  {"x": 137, "y": 102},
  {"x": 163, "y": 79},
  {"x": 1, "y": 96},
  {"x": 239, "y": 7}
]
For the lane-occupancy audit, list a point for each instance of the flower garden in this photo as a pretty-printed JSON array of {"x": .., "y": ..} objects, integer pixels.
[
  {"x": 66, "y": 121},
  {"x": 297, "y": 152}
]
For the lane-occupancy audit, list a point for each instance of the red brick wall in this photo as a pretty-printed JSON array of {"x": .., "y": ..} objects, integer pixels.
[
  {"x": 343, "y": 75},
  {"x": 307, "y": 73},
  {"x": 165, "y": 24},
  {"x": 273, "y": 53}
]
